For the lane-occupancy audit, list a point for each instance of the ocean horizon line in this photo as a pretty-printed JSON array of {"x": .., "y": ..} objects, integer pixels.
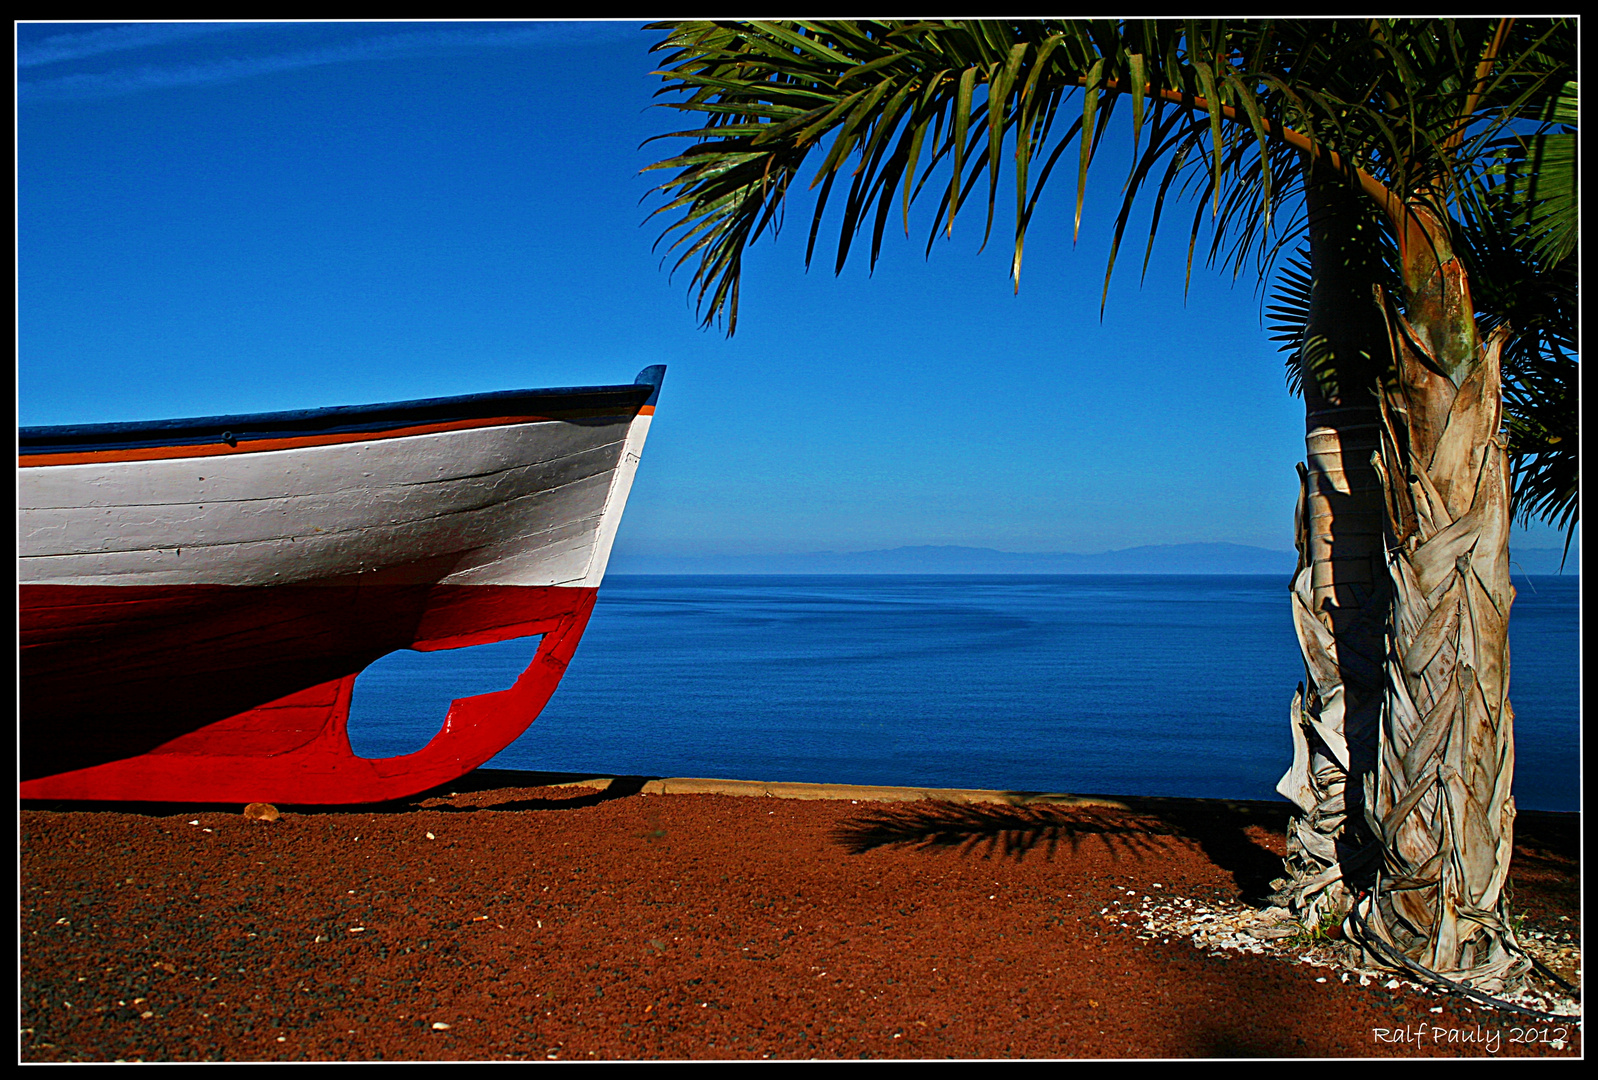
[{"x": 1193, "y": 559}]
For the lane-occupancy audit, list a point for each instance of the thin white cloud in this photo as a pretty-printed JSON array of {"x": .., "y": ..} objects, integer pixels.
[
  {"x": 424, "y": 39},
  {"x": 81, "y": 43}
]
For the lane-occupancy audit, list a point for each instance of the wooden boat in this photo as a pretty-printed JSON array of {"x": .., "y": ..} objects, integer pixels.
[{"x": 198, "y": 596}]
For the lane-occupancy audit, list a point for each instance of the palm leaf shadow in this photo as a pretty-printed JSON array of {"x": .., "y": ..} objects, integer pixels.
[
  {"x": 1001, "y": 830},
  {"x": 1138, "y": 826}
]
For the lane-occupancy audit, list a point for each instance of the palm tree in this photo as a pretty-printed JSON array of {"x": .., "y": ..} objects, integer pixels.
[{"x": 1372, "y": 141}]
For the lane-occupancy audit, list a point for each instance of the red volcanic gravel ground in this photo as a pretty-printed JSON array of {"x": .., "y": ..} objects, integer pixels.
[{"x": 567, "y": 923}]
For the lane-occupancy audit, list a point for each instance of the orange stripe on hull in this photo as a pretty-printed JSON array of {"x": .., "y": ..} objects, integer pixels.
[{"x": 255, "y": 446}]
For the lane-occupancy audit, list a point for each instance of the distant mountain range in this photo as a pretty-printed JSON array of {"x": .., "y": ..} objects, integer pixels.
[
  {"x": 1151, "y": 559},
  {"x": 1545, "y": 561}
]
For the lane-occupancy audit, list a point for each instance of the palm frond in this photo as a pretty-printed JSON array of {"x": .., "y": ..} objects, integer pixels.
[
  {"x": 1483, "y": 111},
  {"x": 1290, "y": 308},
  {"x": 1411, "y": 103},
  {"x": 1517, "y": 285}
]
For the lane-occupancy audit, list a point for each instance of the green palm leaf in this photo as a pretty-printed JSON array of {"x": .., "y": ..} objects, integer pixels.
[
  {"x": 846, "y": 91},
  {"x": 1520, "y": 283}
]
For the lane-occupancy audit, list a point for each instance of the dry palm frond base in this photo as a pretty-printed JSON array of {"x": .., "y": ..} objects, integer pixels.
[{"x": 1273, "y": 931}]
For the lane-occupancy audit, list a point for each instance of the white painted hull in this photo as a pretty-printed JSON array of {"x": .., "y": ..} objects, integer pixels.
[{"x": 525, "y": 504}]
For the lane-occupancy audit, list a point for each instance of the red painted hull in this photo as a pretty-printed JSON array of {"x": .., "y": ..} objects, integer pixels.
[{"x": 220, "y": 693}]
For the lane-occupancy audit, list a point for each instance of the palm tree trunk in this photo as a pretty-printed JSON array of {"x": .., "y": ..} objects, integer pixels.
[
  {"x": 1340, "y": 590},
  {"x": 1339, "y": 600},
  {"x": 1403, "y": 733},
  {"x": 1440, "y": 796}
]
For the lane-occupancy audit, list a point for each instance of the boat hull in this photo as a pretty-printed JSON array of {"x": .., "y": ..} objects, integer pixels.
[{"x": 194, "y": 615}]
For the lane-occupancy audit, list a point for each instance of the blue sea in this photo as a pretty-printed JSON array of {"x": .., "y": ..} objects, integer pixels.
[{"x": 1114, "y": 685}]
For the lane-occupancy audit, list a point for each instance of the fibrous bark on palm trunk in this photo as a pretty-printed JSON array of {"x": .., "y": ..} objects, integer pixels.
[
  {"x": 1440, "y": 799},
  {"x": 1339, "y": 599},
  {"x": 1340, "y": 590}
]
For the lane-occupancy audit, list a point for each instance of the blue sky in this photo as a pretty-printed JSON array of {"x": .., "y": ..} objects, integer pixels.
[{"x": 232, "y": 217}]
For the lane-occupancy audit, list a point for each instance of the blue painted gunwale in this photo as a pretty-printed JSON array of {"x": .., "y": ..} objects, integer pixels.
[{"x": 568, "y": 403}]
